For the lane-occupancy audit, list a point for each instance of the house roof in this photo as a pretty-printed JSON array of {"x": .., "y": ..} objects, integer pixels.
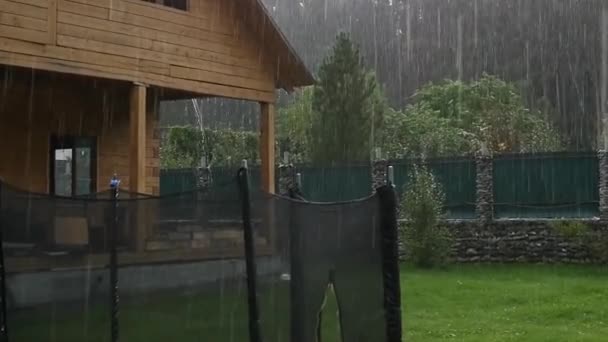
[{"x": 291, "y": 72}]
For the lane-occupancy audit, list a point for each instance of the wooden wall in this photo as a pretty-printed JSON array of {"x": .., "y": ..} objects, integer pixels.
[
  {"x": 34, "y": 108},
  {"x": 207, "y": 50}
]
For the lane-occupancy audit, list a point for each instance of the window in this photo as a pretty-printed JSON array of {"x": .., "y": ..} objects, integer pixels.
[
  {"x": 73, "y": 165},
  {"x": 178, "y": 4}
]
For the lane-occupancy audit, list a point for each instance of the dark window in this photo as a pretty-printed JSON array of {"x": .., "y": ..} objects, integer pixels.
[
  {"x": 73, "y": 165},
  {"x": 179, "y": 4}
]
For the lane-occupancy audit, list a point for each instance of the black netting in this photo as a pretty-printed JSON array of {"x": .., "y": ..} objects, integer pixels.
[
  {"x": 176, "y": 297},
  {"x": 181, "y": 267},
  {"x": 57, "y": 285},
  {"x": 317, "y": 247},
  {"x": 185, "y": 280}
]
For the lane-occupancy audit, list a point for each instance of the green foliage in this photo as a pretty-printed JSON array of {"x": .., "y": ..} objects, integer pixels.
[
  {"x": 427, "y": 242},
  {"x": 347, "y": 107},
  {"x": 294, "y": 127},
  {"x": 455, "y": 117},
  {"x": 184, "y": 148},
  {"x": 420, "y": 131},
  {"x": 186, "y": 145},
  {"x": 570, "y": 229},
  {"x": 228, "y": 147}
]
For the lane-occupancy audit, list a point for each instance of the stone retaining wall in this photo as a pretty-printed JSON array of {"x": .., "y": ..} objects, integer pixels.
[{"x": 530, "y": 241}]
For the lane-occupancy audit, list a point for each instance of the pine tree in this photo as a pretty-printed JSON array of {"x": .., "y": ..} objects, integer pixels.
[{"x": 348, "y": 107}]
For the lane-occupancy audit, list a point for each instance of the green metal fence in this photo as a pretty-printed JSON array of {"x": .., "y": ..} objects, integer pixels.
[
  {"x": 182, "y": 180},
  {"x": 551, "y": 185},
  {"x": 457, "y": 178},
  {"x": 177, "y": 180},
  {"x": 336, "y": 183},
  {"x": 555, "y": 185}
]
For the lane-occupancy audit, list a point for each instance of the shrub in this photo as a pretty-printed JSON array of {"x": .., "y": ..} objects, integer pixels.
[{"x": 427, "y": 242}]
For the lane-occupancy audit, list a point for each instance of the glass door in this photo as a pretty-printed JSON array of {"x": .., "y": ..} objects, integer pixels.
[{"x": 73, "y": 165}]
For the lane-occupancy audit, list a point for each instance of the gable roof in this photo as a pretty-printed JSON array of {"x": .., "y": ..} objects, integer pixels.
[{"x": 290, "y": 70}]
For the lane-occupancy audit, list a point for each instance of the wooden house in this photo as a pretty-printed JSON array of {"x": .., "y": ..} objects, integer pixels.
[{"x": 81, "y": 82}]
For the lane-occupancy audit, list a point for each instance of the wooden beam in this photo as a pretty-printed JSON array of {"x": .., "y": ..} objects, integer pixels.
[
  {"x": 137, "y": 138},
  {"x": 267, "y": 152}
]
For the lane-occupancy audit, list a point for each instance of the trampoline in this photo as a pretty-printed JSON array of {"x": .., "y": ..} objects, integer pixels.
[{"x": 218, "y": 264}]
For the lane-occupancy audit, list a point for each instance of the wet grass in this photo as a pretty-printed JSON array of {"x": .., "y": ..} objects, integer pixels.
[
  {"x": 506, "y": 303},
  {"x": 461, "y": 303}
]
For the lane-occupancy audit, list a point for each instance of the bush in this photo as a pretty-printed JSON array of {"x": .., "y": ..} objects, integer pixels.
[{"x": 427, "y": 242}]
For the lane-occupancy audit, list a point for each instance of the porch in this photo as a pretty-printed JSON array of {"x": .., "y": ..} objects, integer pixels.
[{"x": 67, "y": 135}]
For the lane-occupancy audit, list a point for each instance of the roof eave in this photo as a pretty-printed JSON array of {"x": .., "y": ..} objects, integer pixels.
[{"x": 306, "y": 77}]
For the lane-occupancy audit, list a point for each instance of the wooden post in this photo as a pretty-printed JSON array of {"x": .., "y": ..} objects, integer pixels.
[
  {"x": 267, "y": 152},
  {"x": 137, "y": 146},
  {"x": 137, "y": 161}
]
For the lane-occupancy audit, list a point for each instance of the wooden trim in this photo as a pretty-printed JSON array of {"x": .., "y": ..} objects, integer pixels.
[
  {"x": 87, "y": 69},
  {"x": 52, "y": 22},
  {"x": 158, "y": 4},
  {"x": 267, "y": 152}
]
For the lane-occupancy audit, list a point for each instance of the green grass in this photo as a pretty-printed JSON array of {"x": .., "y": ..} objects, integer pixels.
[
  {"x": 506, "y": 303},
  {"x": 461, "y": 303}
]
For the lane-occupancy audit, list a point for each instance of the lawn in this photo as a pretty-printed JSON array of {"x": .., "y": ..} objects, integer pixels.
[
  {"x": 506, "y": 303},
  {"x": 461, "y": 303}
]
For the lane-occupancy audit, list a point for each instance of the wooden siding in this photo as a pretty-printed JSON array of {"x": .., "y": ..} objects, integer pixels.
[
  {"x": 206, "y": 50},
  {"x": 31, "y": 111}
]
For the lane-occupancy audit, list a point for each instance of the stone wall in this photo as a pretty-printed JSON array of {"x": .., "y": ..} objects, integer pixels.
[
  {"x": 530, "y": 241},
  {"x": 603, "y": 184},
  {"x": 484, "y": 206}
]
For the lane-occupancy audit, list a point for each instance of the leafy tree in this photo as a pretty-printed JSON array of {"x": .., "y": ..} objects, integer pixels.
[
  {"x": 347, "y": 107},
  {"x": 421, "y": 132},
  {"x": 186, "y": 145},
  {"x": 294, "y": 126},
  {"x": 412, "y": 42},
  {"x": 183, "y": 148},
  {"x": 455, "y": 118},
  {"x": 229, "y": 147}
]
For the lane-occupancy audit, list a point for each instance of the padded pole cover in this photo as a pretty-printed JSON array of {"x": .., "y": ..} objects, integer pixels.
[
  {"x": 3, "y": 324},
  {"x": 390, "y": 263},
  {"x": 254, "y": 312},
  {"x": 114, "y": 299}
]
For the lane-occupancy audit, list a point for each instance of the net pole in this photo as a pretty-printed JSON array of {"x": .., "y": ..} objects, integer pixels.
[
  {"x": 252, "y": 298},
  {"x": 3, "y": 305},
  {"x": 295, "y": 276},
  {"x": 114, "y": 299},
  {"x": 390, "y": 262}
]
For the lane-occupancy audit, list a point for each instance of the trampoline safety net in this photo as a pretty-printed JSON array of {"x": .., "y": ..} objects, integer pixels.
[
  {"x": 348, "y": 248},
  {"x": 218, "y": 264}
]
